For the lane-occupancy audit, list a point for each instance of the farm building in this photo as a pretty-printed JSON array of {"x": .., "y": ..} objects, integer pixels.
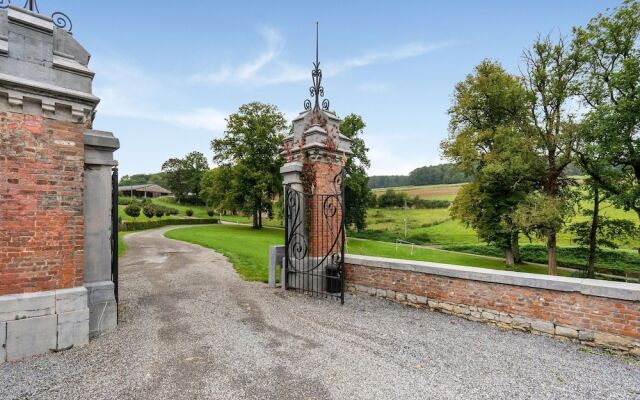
[{"x": 149, "y": 190}]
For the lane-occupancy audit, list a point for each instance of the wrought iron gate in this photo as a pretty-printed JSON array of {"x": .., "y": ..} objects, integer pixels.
[
  {"x": 114, "y": 230},
  {"x": 314, "y": 240}
]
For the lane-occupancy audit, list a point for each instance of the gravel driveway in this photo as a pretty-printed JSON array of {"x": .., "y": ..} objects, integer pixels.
[{"x": 192, "y": 329}]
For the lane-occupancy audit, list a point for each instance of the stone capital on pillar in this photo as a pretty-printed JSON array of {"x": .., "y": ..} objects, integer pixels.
[{"x": 316, "y": 138}]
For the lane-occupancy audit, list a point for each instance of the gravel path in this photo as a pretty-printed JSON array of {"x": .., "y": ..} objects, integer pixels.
[{"x": 192, "y": 329}]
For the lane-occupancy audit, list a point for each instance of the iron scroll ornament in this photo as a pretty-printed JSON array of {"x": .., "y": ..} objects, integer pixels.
[
  {"x": 317, "y": 90},
  {"x": 297, "y": 243},
  {"x": 59, "y": 19}
]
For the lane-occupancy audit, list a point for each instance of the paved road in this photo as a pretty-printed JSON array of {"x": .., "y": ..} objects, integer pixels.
[{"x": 192, "y": 329}]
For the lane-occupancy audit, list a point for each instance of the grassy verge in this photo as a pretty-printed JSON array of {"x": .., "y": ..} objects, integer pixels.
[
  {"x": 248, "y": 249},
  {"x": 122, "y": 246}
]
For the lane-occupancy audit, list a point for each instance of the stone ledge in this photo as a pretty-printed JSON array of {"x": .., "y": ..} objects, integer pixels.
[
  {"x": 608, "y": 289},
  {"x": 101, "y": 139}
]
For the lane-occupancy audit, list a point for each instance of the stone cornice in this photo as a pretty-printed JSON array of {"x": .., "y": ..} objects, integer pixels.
[{"x": 50, "y": 96}]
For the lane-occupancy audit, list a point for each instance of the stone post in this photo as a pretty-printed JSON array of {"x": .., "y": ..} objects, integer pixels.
[
  {"x": 46, "y": 102},
  {"x": 99, "y": 147}
]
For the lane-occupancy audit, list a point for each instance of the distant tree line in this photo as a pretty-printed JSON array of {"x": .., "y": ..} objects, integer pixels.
[
  {"x": 396, "y": 199},
  {"x": 158, "y": 178},
  {"x": 429, "y": 175}
]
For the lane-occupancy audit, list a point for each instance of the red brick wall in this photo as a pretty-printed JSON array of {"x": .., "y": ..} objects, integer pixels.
[
  {"x": 41, "y": 204},
  {"x": 601, "y": 314},
  {"x": 325, "y": 228}
]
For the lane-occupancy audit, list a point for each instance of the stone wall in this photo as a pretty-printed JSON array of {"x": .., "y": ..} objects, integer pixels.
[
  {"x": 41, "y": 206},
  {"x": 598, "y": 313}
]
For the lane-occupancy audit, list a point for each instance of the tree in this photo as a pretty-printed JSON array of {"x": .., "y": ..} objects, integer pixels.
[
  {"x": 551, "y": 71},
  {"x": 600, "y": 231},
  {"x": 183, "y": 175},
  {"x": 357, "y": 190},
  {"x": 488, "y": 139},
  {"x": 251, "y": 146},
  {"x": 219, "y": 189},
  {"x": 609, "y": 145}
]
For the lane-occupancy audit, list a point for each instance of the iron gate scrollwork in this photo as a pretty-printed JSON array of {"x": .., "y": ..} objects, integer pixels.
[{"x": 314, "y": 240}]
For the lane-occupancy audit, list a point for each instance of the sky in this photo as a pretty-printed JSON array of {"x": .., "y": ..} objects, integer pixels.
[{"x": 169, "y": 73}]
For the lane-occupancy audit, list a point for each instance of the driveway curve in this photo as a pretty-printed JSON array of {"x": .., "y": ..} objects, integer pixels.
[{"x": 191, "y": 328}]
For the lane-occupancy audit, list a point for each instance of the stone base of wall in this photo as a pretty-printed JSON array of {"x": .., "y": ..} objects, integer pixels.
[
  {"x": 37, "y": 323},
  {"x": 508, "y": 321}
]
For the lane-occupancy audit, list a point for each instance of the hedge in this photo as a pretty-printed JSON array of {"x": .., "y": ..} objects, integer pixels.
[{"x": 143, "y": 225}]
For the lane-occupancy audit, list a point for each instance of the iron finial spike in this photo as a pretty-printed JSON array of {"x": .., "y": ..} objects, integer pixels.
[
  {"x": 317, "y": 91},
  {"x": 31, "y": 5}
]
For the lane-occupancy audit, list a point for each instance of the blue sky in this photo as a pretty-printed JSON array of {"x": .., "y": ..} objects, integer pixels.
[{"x": 170, "y": 72}]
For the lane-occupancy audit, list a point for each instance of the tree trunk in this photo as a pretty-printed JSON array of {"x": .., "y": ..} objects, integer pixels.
[
  {"x": 255, "y": 217},
  {"x": 515, "y": 244},
  {"x": 552, "y": 251},
  {"x": 259, "y": 214},
  {"x": 508, "y": 256},
  {"x": 593, "y": 235}
]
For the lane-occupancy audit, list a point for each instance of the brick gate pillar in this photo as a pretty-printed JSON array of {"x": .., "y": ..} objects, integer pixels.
[
  {"x": 315, "y": 155},
  {"x": 46, "y": 102}
]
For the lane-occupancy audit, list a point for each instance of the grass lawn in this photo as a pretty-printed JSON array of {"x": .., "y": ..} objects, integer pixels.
[{"x": 248, "y": 249}]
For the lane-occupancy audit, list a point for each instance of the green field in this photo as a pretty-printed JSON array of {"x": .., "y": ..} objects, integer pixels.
[{"x": 248, "y": 249}]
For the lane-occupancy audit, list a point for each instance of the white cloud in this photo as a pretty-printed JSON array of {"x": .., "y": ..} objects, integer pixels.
[
  {"x": 269, "y": 69},
  {"x": 129, "y": 92}
]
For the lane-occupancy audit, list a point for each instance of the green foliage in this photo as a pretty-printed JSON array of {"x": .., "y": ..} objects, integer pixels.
[
  {"x": 130, "y": 226},
  {"x": 357, "y": 189},
  {"x": 250, "y": 147},
  {"x": 385, "y": 181},
  {"x": 143, "y": 179},
  {"x": 396, "y": 199},
  {"x": 609, "y": 232},
  {"x": 189, "y": 213},
  {"x": 211, "y": 213},
  {"x": 488, "y": 139},
  {"x": 149, "y": 211},
  {"x": 132, "y": 210},
  {"x": 159, "y": 212},
  {"x": 183, "y": 175},
  {"x": 609, "y": 141}
]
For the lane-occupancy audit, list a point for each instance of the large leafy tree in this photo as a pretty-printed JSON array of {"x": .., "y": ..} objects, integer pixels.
[
  {"x": 357, "y": 191},
  {"x": 488, "y": 140},
  {"x": 251, "y": 146},
  {"x": 183, "y": 175},
  {"x": 551, "y": 74},
  {"x": 609, "y": 145}
]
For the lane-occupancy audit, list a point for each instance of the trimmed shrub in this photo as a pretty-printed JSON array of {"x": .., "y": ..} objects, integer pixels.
[
  {"x": 132, "y": 210},
  {"x": 189, "y": 213},
  {"x": 210, "y": 213},
  {"x": 142, "y": 225},
  {"x": 160, "y": 211},
  {"x": 149, "y": 211}
]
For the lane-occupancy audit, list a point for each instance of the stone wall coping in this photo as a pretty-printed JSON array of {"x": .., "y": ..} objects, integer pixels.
[
  {"x": 56, "y": 91},
  {"x": 101, "y": 139},
  {"x": 591, "y": 287}
]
